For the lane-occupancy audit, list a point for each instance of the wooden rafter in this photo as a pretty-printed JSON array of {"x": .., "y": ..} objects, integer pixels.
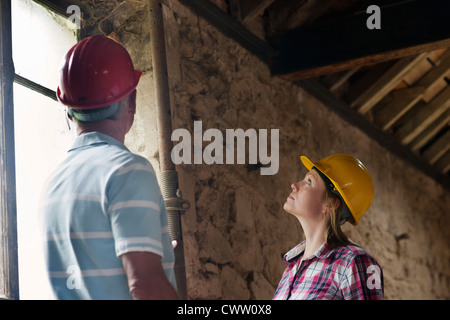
[
  {"x": 401, "y": 102},
  {"x": 438, "y": 149},
  {"x": 385, "y": 140},
  {"x": 343, "y": 78},
  {"x": 431, "y": 79},
  {"x": 247, "y": 10},
  {"x": 307, "y": 13},
  {"x": 443, "y": 164},
  {"x": 386, "y": 83},
  {"x": 431, "y": 131},
  {"x": 417, "y": 124}
]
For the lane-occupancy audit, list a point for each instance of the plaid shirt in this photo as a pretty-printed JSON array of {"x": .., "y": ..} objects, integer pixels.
[{"x": 347, "y": 273}]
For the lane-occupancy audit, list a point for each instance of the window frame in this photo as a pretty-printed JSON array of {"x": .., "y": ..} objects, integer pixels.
[{"x": 9, "y": 264}]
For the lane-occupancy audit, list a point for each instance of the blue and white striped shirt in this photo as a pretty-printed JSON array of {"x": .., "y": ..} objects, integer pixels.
[{"x": 102, "y": 201}]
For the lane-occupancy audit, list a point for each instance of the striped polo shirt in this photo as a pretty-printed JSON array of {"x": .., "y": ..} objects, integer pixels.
[{"x": 102, "y": 201}]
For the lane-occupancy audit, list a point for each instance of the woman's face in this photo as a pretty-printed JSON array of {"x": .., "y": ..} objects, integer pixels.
[{"x": 307, "y": 197}]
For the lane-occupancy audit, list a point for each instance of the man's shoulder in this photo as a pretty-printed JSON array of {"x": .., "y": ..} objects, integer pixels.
[{"x": 127, "y": 162}]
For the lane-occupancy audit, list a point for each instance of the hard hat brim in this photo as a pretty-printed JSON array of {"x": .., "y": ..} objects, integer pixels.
[{"x": 71, "y": 104}]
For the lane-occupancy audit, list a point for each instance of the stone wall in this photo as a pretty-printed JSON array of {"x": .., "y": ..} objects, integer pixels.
[{"x": 236, "y": 230}]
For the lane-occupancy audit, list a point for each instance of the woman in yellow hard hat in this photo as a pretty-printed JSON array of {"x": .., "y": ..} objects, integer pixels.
[{"x": 327, "y": 265}]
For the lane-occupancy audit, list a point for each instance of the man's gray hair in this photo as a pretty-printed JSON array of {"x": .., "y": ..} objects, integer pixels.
[{"x": 111, "y": 112}]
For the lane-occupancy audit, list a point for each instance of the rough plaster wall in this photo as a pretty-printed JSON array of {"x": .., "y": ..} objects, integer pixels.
[
  {"x": 127, "y": 22},
  {"x": 236, "y": 231}
]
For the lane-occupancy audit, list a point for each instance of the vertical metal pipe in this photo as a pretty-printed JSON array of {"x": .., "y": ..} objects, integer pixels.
[
  {"x": 9, "y": 270},
  {"x": 169, "y": 177}
]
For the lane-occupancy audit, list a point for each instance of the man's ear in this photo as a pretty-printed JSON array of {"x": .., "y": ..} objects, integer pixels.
[
  {"x": 68, "y": 117},
  {"x": 132, "y": 103},
  {"x": 132, "y": 108}
]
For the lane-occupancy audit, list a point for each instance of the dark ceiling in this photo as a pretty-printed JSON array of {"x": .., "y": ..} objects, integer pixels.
[{"x": 391, "y": 82}]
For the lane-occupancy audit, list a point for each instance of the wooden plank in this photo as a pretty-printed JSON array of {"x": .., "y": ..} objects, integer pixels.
[
  {"x": 438, "y": 149},
  {"x": 432, "y": 61},
  {"x": 342, "y": 79},
  {"x": 405, "y": 99},
  {"x": 408, "y": 27},
  {"x": 278, "y": 13},
  {"x": 246, "y": 10},
  {"x": 386, "y": 83},
  {"x": 9, "y": 276},
  {"x": 306, "y": 14},
  {"x": 443, "y": 164},
  {"x": 436, "y": 126},
  {"x": 364, "y": 79},
  {"x": 382, "y": 138},
  {"x": 436, "y": 75},
  {"x": 402, "y": 101},
  {"x": 417, "y": 124},
  {"x": 416, "y": 73}
]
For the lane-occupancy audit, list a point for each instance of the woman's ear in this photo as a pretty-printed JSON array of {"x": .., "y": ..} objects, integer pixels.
[
  {"x": 335, "y": 203},
  {"x": 332, "y": 203}
]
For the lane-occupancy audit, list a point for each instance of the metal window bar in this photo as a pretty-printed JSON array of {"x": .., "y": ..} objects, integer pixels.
[{"x": 35, "y": 86}]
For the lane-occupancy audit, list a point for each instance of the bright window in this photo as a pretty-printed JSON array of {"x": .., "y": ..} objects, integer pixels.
[{"x": 40, "y": 40}]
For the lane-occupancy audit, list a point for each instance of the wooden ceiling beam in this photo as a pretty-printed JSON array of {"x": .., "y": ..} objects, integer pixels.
[
  {"x": 431, "y": 131},
  {"x": 307, "y": 13},
  {"x": 382, "y": 138},
  {"x": 441, "y": 70},
  {"x": 343, "y": 79},
  {"x": 437, "y": 149},
  {"x": 443, "y": 164},
  {"x": 401, "y": 101},
  {"x": 246, "y": 10},
  {"x": 407, "y": 28},
  {"x": 386, "y": 83},
  {"x": 420, "y": 121}
]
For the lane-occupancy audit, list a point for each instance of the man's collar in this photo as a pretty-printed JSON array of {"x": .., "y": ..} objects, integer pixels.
[{"x": 95, "y": 138}]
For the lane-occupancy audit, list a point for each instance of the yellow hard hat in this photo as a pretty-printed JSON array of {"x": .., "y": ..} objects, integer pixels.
[{"x": 348, "y": 177}]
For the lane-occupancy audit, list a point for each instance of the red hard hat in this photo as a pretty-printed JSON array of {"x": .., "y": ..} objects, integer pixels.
[{"x": 96, "y": 72}]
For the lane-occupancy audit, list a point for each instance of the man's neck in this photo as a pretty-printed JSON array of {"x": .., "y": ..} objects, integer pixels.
[{"x": 108, "y": 127}]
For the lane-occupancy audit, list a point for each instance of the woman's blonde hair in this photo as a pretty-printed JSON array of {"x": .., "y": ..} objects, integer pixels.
[{"x": 334, "y": 236}]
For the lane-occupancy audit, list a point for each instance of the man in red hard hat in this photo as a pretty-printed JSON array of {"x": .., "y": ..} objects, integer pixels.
[{"x": 103, "y": 216}]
